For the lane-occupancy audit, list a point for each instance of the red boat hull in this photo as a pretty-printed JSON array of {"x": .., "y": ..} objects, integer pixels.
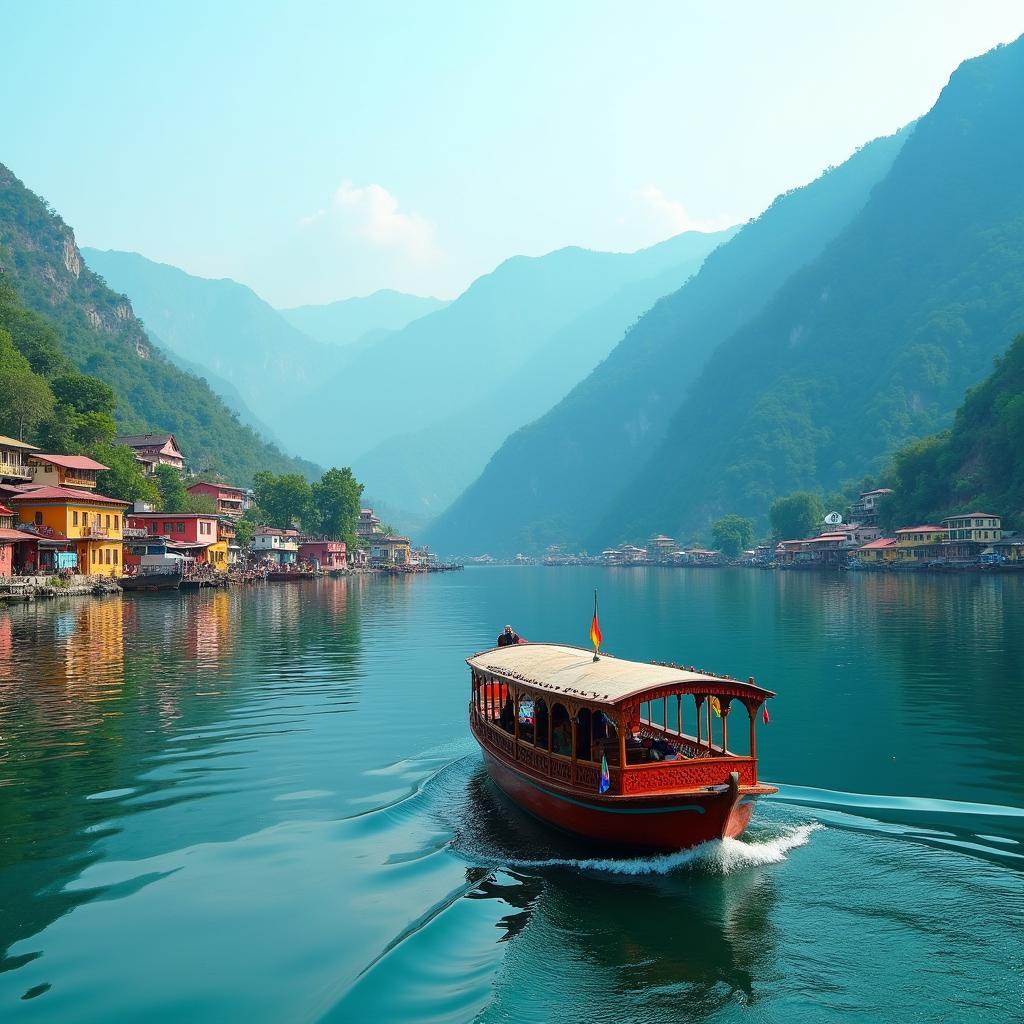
[{"x": 663, "y": 822}]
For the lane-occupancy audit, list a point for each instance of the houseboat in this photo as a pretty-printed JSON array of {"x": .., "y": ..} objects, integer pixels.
[
  {"x": 153, "y": 566},
  {"x": 628, "y": 754}
]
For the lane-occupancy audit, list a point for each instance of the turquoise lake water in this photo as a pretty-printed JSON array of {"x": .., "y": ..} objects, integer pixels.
[{"x": 264, "y": 805}]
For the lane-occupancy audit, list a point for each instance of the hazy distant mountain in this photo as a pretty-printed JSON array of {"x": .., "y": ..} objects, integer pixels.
[
  {"x": 223, "y": 327},
  {"x": 876, "y": 341},
  {"x": 565, "y": 469},
  {"x": 348, "y": 320},
  {"x": 506, "y": 348},
  {"x": 100, "y": 334}
]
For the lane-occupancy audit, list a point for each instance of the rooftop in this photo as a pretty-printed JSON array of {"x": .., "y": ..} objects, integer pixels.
[
  {"x": 10, "y": 442},
  {"x": 172, "y": 515},
  {"x": 972, "y": 515},
  {"x": 883, "y": 542},
  {"x": 70, "y": 461},
  {"x": 572, "y": 672},
  {"x": 921, "y": 529},
  {"x": 143, "y": 440},
  {"x": 63, "y": 494}
]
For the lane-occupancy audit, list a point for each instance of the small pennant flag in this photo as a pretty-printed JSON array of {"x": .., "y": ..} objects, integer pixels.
[
  {"x": 765, "y": 717},
  {"x": 595, "y": 629},
  {"x": 606, "y": 779},
  {"x": 716, "y": 706}
]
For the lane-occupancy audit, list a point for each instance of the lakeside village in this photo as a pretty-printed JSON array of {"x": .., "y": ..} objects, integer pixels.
[
  {"x": 59, "y": 535},
  {"x": 970, "y": 542}
]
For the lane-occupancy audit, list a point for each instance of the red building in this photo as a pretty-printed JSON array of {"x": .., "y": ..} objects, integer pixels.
[
  {"x": 327, "y": 554},
  {"x": 8, "y": 538},
  {"x": 230, "y": 500},
  {"x": 193, "y": 534}
]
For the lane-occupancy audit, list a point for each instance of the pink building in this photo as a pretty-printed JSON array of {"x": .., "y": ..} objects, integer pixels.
[{"x": 327, "y": 554}]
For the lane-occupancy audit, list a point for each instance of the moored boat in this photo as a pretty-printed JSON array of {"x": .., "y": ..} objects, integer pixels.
[{"x": 599, "y": 747}]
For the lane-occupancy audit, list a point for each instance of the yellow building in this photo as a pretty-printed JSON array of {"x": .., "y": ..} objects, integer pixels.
[
  {"x": 92, "y": 522},
  {"x": 920, "y": 543},
  {"x": 877, "y": 551}
]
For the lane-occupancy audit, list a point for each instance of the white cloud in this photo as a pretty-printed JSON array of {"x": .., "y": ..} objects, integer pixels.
[
  {"x": 372, "y": 214},
  {"x": 673, "y": 217}
]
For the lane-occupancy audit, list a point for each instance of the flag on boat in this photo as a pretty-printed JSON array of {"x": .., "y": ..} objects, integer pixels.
[
  {"x": 606, "y": 780},
  {"x": 595, "y": 629},
  {"x": 716, "y": 706},
  {"x": 765, "y": 717}
]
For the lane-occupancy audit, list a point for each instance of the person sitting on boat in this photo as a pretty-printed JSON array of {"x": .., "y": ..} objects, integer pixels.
[
  {"x": 561, "y": 739},
  {"x": 508, "y": 637},
  {"x": 507, "y": 718}
]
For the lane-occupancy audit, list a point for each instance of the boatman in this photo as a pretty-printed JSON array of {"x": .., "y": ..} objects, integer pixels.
[{"x": 508, "y": 637}]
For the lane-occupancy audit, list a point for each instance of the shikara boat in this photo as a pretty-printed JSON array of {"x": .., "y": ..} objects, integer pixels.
[{"x": 549, "y": 717}]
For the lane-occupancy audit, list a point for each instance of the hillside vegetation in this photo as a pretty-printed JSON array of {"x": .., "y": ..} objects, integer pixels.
[
  {"x": 99, "y": 335},
  {"x": 974, "y": 466},
  {"x": 566, "y": 468},
  {"x": 872, "y": 344}
]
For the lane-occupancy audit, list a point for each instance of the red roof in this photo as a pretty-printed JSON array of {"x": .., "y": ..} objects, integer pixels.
[
  {"x": 70, "y": 461},
  {"x": 5, "y": 511},
  {"x": 14, "y": 536},
  {"x": 921, "y": 529},
  {"x": 62, "y": 494},
  {"x": 882, "y": 542},
  {"x": 172, "y": 515}
]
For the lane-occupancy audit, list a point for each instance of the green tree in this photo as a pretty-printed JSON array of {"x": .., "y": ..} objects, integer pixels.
[
  {"x": 84, "y": 394},
  {"x": 285, "y": 500},
  {"x": 796, "y": 515},
  {"x": 337, "y": 497},
  {"x": 125, "y": 478},
  {"x": 201, "y": 503},
  {"x": 733, "y": 534},
  {"x": 26, "y": 400},
  {"x": 173, "y": 496}
]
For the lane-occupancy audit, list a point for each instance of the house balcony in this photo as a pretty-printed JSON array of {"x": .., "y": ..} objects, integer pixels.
[
  {"x": 96, "y": 532},
  {"x": 134, "y": 532}
]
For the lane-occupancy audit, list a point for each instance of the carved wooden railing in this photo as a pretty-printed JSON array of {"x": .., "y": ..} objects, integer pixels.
[{"x": 686, "y": 774}]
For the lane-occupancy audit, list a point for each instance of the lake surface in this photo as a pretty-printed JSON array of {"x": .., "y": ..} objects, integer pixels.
[{"x": 264, "y": 805}]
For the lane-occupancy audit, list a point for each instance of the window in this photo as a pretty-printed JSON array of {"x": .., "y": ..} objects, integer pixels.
[
  {"x": 180, "y": 527},
  {"x": 39, "y": 518},
  {"x": 74, "y": 517},
  {"x": 117, "y": 556},
  {"x": 107, "y": 556},
  {"x": 117, "y": 522},
  {"x": 168, "y": 527},
  {"x": 108, "y": 520}
]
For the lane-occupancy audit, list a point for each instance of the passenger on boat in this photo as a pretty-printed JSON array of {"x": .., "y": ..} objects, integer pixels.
[
  {"x": 508, "y": 637},
  {"x": 508, "y": 716},
  {"x": 561, "y": 739}
]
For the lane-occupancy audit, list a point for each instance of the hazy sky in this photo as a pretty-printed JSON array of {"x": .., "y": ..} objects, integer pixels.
[{"x": 320, "y": 150}]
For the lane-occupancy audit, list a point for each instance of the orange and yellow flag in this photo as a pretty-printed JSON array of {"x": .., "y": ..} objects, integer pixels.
[
  {"x": 595, "y": 628},
  {"x": 716, "y": 706}
]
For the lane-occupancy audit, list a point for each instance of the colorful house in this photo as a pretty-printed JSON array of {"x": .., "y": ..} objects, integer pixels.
[
  {"x": 64, "y": 470},
  {"x": 389, "y": 550},
  {"x": 230, "y": 501},
  {"x": 918, "y": 544},
  {"x": 14, "y": 460},
  {"x": 194, "y": 534},
  {"x": 878, "y": 552},
  {"x": 324, "y": 554},
  {"x": 152, "y": 450},
  {"x": 92, "y": 523},
  {"x": 9, "y": 538},
  {"x": 280, "y": 546}
]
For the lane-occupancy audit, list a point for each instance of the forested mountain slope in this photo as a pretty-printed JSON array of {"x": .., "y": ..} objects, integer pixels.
[
  {"x": 872, "y": 344},
  {"x": 223, "y": 327},
  {"x": 100, "y": 334},
  {"x": 975, "y": 466},
  {"x": 347, "y": 321},
  {"x": 426, "y": 470},
  {"x": 447, "y": 361},
  {"x": 558, "y": 475}
]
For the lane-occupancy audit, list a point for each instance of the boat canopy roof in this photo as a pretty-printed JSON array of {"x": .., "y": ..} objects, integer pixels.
[{"x": 573, "y": 673}]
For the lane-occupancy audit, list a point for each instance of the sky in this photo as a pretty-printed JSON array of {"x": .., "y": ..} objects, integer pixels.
[{"x": 320, "y": 150}]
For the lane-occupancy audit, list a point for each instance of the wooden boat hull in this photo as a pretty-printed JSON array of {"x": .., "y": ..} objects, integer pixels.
[
  {"x": 659, "y": 823},
  {"x": 151, "y": 581}
]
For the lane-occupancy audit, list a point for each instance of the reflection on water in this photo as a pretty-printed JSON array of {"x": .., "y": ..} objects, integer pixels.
[{"x": 263, "y": 804}]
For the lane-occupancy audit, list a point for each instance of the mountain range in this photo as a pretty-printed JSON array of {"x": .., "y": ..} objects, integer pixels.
[
  {"x": 848, "y": 318},
  {"x": 101, "y": 335}
]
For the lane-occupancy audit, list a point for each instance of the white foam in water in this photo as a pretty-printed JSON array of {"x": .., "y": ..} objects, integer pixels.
[{"x": 719, "y": 856}]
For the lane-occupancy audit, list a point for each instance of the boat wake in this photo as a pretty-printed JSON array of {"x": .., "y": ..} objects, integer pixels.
[{"x": 718, "y": 857}]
